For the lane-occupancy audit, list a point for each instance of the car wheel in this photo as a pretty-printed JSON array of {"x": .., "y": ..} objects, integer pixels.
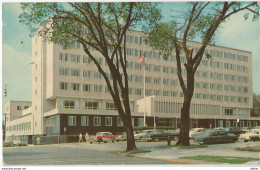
[
  {"x": 105, "y": 141},
  {"x": 100, "y": 140},
  {"x": 156, "y": 139},
  {"x": 90, "y": 142},
  {"x": 113, "y": 140}
]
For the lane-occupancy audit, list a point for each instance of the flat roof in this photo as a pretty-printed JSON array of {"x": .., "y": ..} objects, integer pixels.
[{"x": 200, "y": 42}]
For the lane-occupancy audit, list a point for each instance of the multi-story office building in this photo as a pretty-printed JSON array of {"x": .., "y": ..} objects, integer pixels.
[{"x": 70, "y": 96}]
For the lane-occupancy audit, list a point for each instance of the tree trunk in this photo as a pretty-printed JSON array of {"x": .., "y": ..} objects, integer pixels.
[
  {"x": 184, "y": 139},
  {"x": 130, "y": 135}
]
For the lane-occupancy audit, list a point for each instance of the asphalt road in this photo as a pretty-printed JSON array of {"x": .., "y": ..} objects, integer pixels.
[
  {"x": 74, "y": 154},
  {"x": 107, "y": 153}
]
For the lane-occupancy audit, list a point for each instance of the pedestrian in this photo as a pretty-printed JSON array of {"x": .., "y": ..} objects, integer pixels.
[
  {"x": 80, "y": 138},
  {"x": 86, "y": 136}
]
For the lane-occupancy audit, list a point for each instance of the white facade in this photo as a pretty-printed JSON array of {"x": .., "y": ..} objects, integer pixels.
[{"x": 66, "y": 82}]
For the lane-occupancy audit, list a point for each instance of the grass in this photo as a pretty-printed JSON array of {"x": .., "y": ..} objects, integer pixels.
[
  {"x": 252, "y": 149},
  {"x": 220, "y": 159},
  {"x": 183, "y": 147}
]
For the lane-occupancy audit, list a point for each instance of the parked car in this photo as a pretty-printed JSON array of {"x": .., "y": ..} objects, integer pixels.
[
  {"x": 103, "y": 137},
  {"x": 233, "y": 130},
  {"x": 196, "y": 131},
  {"x": 163, "y": 135},
  {"x": 8, "y": 144},
  {"x": 142, "y": 134},
  {"x": 250, "y": 135},
  {"x": 215, "y": 136}
]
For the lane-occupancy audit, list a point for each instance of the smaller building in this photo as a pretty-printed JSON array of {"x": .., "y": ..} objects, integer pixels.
[
  {"x": 18, "y": 121},
  {"x": 206, "y": 114}
]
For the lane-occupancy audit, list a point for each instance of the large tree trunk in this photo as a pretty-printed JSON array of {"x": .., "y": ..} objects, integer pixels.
[
  {"x": 185, "y": 123},
  {"x": 130, "y": 135},
  {"x": 184, "y": 139}
]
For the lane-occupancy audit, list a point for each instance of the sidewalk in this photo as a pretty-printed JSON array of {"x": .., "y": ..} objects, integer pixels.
[{"x": 174, "y": 154}]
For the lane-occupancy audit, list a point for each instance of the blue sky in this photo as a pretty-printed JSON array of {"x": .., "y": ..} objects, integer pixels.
[{"x": 234, "y": 33}]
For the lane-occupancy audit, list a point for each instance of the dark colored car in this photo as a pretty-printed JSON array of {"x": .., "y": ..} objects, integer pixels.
[
  {"x": 8, "y": 144},
  {"x": 233, "y": 130},
  {"x": 163, "y": 135},
  {"x": 216, "y": 136}
]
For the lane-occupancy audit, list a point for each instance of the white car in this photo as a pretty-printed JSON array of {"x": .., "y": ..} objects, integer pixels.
[
  {"x": 142, "y": 134},
  {"x": 251, "y": 135},
  {"x": 196, "y": 131}
]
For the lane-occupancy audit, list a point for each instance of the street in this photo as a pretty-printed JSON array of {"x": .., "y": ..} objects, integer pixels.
[
  {"x": 107, "y": 153},
  {"x": 73, "y": 154}
]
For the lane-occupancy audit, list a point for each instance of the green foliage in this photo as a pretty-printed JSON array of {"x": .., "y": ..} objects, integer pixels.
[
  {"x": 66, "y": 23},
  {"x": 161, "y": 38}
]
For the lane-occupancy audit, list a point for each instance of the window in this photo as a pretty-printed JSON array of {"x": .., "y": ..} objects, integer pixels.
[
  {"x": 72, "y": 120},
  {"x": 75, "y": 86},
  {"x": 86, "y": 87},
  {"x": 87, "y": 73},
  {"x": 228, "y": 112},
  {"x": 140, "y": 121},
  {"x": 75, "y": 72},
  {"x": 119, "y": 121},
  {"x": 92, "y": 105},
  {"x": 220, "y": 123},
  {"x": 242, "y": 124},
  {"x": 84, "y": 120},
  {"x": 63, "y": 57},
  {"x": 97, "y": 88},
  {"x": 19, "y": 107},
  {"x": 97, "y": 121},
  {"x": 26, "y": 107},
  {"x": 234, "y": 123},
  {"x": 248, "y": 123},
  {"x": 254, "y": 123},
  {"x": 86, "y": 59},
  {"x": 75, "y": 58},
  {"x": 64, "y": 71},
  {"x": 108, "y": 121},
  {"x": 69, "y": 104},
  {"x": 110, "y": 106},
  {"x": 227, "y": 123},
  {"x": 63, "y": 85},
  {"x": 97, "y": 75}
]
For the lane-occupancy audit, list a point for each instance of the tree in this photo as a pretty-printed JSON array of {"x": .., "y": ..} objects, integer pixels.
[
  {"x": 255, "y": 112},
  {"x": 201, "y": 20},
  {"x": 96, "y": 26}
]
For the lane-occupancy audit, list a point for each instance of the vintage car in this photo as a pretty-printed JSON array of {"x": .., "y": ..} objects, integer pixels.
[
  {"x": 8, "y": 144},
  {"x": 250, "y": 135},
  {"x": 142, "y": 134},
  {"x": 103, "y": 137},
  {"x": 163, "y": 135},
  {"x": 196, "y": 131},
  {"x": 215, "y": 136},
  {"x": 233, "y": 130}
]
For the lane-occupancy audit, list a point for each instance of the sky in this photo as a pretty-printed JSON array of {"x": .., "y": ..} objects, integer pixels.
[{"x": 16, "y": 71}]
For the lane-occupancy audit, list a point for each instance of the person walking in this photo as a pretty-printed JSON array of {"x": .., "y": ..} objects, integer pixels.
[{"x": 80, "y": 138}]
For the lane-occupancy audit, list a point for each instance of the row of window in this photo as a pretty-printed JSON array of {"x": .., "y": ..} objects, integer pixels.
[
  {"x": 90, "y": 105},
  {"x": 236, "y": 124},
  {"x": 19, "y": 127},
  {"x": 20, "y": 107},
  {"x": 221, "y": 98},
  {"x": 96, "y": 121}
]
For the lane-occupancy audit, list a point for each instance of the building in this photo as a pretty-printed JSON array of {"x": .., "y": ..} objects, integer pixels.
[{"x": 69, "y": 95}]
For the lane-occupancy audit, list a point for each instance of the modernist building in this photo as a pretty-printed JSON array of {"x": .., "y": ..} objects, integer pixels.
[{"x": 69, "y": 95}]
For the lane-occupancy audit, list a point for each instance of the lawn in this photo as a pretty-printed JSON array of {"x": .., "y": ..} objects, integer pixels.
[{"x": 220, "y": 159}]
